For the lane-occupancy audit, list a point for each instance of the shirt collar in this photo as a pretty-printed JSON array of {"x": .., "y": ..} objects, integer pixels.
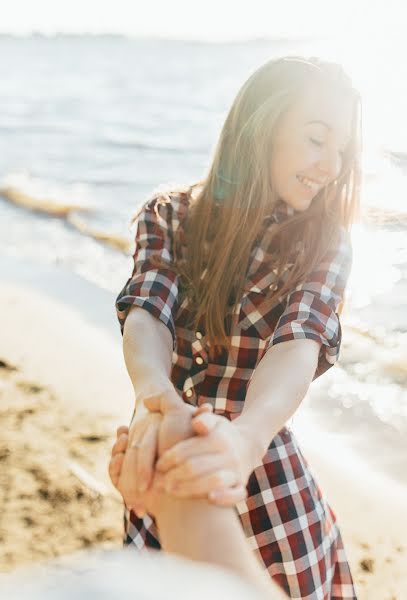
[{"x": 282, "y": 211}]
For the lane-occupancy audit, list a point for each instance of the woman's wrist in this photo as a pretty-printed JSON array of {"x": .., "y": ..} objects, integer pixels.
[
  {"x": 255, "y": 449},
  {"x": 159, "y": 394},
  {"x": 153, "y": 385}
]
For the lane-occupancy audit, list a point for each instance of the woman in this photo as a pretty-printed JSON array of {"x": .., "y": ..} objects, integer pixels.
[{"x": 242, "y": 278}]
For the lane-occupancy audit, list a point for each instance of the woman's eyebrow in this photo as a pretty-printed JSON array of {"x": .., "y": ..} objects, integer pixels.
[
  {"x": 322, "y": 123},
  {"x": 347, "y": 139}
]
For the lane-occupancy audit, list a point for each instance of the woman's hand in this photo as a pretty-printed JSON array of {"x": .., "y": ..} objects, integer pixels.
[
  {"x": 137, "y": 464},
  {"x": 135, "y": 451},
  {"x": 202, "y": 426},
  {"x": 217, "y": 465},
  {"x": 147, "y": 501},
  {"x": 117, "y": 454}
]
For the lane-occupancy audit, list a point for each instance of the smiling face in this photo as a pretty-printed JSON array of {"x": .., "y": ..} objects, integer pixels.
[{"x": 309, "y": 143}]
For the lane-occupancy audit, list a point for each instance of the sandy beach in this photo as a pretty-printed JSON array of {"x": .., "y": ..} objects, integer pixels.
[{"x": 64, "y": 390}]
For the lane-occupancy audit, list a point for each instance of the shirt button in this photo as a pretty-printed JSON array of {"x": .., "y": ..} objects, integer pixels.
[
  {"x": 199, "y": 360},
  {"x": 199, "y": 335},
  {"x": 189, "y": 393}
]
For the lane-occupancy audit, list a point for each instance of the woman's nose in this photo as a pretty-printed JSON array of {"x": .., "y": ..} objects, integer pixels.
[{"x": 330, "y": 164}]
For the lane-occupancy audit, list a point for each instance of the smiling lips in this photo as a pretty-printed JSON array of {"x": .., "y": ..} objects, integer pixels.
[{"x": 311, "y": 184}]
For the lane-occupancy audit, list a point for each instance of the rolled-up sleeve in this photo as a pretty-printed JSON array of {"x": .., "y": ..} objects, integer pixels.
[
  {"x": 312, "y": 308},
  {"x": 154, "y": 289}
]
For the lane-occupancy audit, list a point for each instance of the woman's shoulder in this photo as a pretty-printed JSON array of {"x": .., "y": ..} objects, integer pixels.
[
  {"x": 165, "y": 209},
  {"x": 173, "y": 203}
]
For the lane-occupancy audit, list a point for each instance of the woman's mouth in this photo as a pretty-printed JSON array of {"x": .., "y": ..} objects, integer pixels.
[{"x": 309, "y": 184}]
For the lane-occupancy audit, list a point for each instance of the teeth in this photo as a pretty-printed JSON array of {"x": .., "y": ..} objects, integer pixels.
[{"x": 313, "y": 185}]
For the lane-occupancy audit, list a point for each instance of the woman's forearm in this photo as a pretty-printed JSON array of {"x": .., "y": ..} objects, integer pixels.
[
  {"x": 147, "y": 349},
  {"x": 277, "y": 387}
]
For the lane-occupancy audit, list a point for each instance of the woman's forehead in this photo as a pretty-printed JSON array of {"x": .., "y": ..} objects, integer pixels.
[{"x": 324, "y": 105}]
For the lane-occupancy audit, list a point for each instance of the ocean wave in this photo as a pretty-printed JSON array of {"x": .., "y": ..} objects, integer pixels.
[
  {"x": 384, "y": 218},
  {"x": 66, "y": 211}
]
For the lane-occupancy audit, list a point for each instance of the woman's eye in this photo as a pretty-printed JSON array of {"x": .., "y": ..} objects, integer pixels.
[
  {"x": 316, "y": 142},
  {"x": 319, "y": 144}
]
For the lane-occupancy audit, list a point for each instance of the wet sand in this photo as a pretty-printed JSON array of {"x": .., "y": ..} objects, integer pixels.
[{"x": 50, "y": 501}]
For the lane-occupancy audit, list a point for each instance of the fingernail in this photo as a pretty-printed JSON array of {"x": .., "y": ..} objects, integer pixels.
[
  {"x": 214, "y": 495},
  {"x": 142, "y": 487}
]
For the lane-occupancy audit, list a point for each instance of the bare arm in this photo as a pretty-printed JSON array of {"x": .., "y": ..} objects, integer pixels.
[
  {"x": 203, "y": 532},
  {"x": 147, "y": 349},
  {"x": 199, "y": 531},
  {"x": 278, "y": 385}
]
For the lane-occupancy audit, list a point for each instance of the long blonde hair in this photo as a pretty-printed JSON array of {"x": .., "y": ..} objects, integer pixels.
[{"x": 228, "y": 207}]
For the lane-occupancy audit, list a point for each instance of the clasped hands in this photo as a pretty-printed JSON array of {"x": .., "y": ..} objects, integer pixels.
[{"x": 180, "y": 450}]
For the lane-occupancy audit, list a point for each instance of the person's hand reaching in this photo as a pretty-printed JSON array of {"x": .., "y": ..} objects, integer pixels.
[
  {"x": 134, "y": 454},
  {"x": 203, "y": 423},
  {"x": 217, "y": 464}
]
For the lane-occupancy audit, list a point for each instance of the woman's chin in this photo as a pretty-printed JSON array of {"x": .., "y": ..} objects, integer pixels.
[{"x": 299, "y": 204}]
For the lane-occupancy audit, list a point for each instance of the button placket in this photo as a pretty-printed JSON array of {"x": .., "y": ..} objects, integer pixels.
[
  {"x": 189, "y": 391},
  {"x": 199, "y": 354},
  {"x": 198, "y": 370}
]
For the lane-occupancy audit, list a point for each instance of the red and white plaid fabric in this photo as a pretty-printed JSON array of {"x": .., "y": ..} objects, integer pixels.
[{"x": 286, "y": 518}]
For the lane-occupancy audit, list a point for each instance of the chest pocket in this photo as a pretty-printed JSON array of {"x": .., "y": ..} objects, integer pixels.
[{"x": 252, "y": 317}]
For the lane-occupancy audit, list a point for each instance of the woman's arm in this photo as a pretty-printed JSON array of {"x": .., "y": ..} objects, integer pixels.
[
  {"x": 147, "y": 350},
  {"x": 278, "y": 385},
  {"x": 232, "y": 450}
]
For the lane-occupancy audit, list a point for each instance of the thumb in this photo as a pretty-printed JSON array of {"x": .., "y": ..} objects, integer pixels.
[
  {"x": 164, "y": 401},
  {"x": 204, "y": 423},
  {"x": 202, "y": 408},
  {"x": 152, "y": 403}
]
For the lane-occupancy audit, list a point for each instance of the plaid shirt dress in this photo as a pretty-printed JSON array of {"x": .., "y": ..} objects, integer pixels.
[{"x": 286, "y": 518}]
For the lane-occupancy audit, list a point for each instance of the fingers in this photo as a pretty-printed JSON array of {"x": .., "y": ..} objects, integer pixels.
[
  {"x": 228, "y": 497},
  {"x": 128, "y": 475},
  {"x": 118, "y": 451},
  {"x": 127, "y": 480},
  {"x": 146, "y": 456},
  {"x": 153, "y": 403},
  {"x": 115, "y": 466},
  {"x": 204, "y": 423},
  {"x": 168, "y": 399},
  {"x": 203, "y": 408},
  {"x": 139, "y": 510},
  {"x": 120, "y": 444},
  {"x": 191, "y": 468},
  {"x": 185, "y": 449},
  {"x": 121, "y": 429},
  {"x": 201, "y": 486}
]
